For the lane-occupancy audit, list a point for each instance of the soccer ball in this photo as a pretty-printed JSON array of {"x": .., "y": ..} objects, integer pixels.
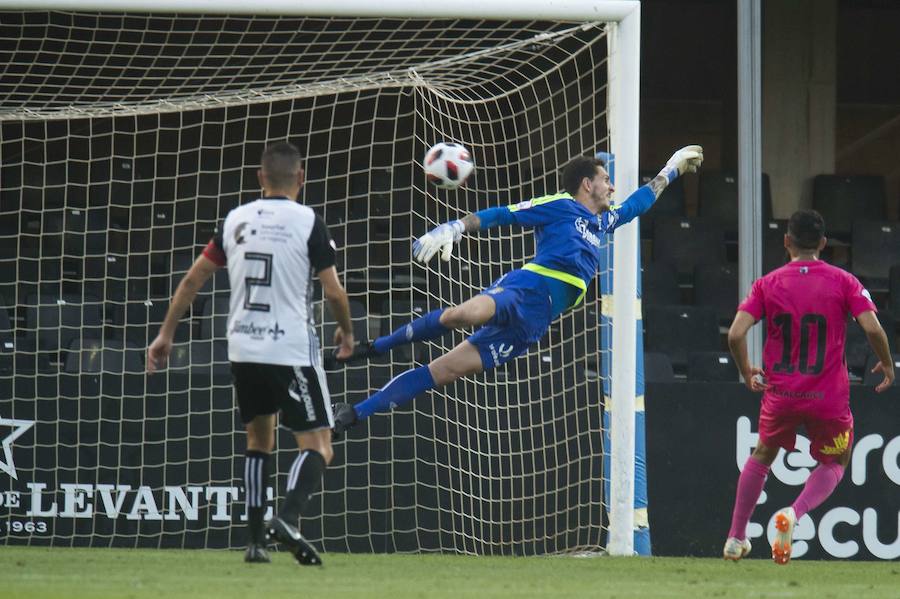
[{"x": 447, "y": 165}]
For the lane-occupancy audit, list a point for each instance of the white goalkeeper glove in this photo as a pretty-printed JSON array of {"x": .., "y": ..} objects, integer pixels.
[
  {"x": 440, "y": 238},
  {"x": 686, "y": 160}
]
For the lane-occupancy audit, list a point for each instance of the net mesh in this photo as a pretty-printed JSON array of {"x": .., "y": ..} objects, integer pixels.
[{"x": 124, "y": 140}]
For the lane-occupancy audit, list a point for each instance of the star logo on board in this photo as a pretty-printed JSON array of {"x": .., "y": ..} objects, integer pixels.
[{"x": 19, "y": 428}]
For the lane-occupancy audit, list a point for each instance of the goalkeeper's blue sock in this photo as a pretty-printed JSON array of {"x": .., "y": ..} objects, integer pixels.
[
  {"x": 421, "y": 329},
  {"x": 400, "y": 390}
]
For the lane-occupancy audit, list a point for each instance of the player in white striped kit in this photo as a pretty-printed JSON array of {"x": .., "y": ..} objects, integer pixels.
[{"x": 273, "y": 246}]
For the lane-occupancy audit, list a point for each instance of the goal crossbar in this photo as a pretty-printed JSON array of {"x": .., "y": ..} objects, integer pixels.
[{"x": 553, "y": 10}]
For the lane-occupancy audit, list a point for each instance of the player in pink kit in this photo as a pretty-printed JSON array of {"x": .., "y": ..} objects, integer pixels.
[{"x": 805, "y": 304}]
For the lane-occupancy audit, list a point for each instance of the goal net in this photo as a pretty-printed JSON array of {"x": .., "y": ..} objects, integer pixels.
[{"x": 127, "y": 138}]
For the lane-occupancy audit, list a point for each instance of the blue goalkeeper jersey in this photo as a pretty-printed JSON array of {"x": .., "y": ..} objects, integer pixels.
[{"x": 569, "y": 239}]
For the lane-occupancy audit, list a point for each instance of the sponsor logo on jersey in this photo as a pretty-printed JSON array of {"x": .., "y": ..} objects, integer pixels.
[
  {"x": 239, "y": 233},
  {"x": 250, "y": 329},
  {"x": 583, "y": 226},
  {"x": 276, "y": 332}
]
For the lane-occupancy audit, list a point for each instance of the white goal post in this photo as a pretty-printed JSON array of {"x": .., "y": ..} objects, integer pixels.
[{"x": 623, "y": 117}]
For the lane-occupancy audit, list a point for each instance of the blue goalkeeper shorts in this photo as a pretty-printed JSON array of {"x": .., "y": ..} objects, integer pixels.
[{"x": 522, "y": 317}]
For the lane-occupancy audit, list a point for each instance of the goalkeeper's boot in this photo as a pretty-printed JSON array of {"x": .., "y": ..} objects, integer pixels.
[
  {"x": 302, "y": 550},
  {"x": 256, "y": 554},
  {"x": 736, "y": 549},
  {"x": 345, "y": 417},
  {"x": 784, "y": 533},
  {"x": 363, "y": 351}
]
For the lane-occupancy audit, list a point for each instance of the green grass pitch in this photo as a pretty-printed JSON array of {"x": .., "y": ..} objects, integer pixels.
[{"x": 63, "y": 573}]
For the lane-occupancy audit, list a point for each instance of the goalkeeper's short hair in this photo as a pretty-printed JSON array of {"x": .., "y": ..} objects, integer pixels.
[{"x": 578, "y": 169}]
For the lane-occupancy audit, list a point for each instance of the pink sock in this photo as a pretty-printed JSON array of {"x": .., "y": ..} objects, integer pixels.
[
  {"x": 750, "y": 485},
  {"x": 820, "y": 484}
]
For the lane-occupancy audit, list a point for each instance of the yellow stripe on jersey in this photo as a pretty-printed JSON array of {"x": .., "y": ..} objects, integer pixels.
[
  {"x": 559, "y": 276},
  {"x": 538, "y": 201}
]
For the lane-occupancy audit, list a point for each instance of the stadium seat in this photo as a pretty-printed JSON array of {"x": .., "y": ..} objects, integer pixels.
[
  {"x": 679, "y": 330},
  {"x": 857, "y": 347},
  {"x": 57, "y": 320},
  {"x": 718, "y": 200},
  {"x": 687, "y": 242},
  {"x": 711, "y": 367},
  {"x": 7, "y": 340},
  {"x": 876, "y": 246},
  {"x": 871, "y": 379},
  {"x": 842, "y": 200},
  {"x": 659, "y": 284},
  {"x": 670, "y": 203},
  {"x": 214, "y": 317},
  {"x": 894, "y": 289},
  {"x": 717, "y": 287},
  {"x": 658, "y": 368},
  {"x": 90, "y": 356},
  {"x": 774, "y": 255}
]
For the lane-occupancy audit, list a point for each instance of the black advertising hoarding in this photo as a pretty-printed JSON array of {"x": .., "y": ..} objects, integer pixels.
[
  {"x": 72, "y": 473},
  {"x": 699, "y": 434}
]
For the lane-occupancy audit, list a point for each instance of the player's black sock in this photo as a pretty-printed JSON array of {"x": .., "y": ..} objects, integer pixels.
[
  {"x": 421, "y": 329},
  {"x": 304, "y": 478},
  {"x": 256, "y": 481}
]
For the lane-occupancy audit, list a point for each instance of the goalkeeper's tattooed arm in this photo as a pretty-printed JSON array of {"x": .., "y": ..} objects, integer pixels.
[
  {"x": 471, "y": 222},
  {"x": 658, "y": 184}
]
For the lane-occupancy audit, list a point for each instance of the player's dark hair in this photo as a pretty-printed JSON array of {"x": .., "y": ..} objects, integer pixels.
[
  {"x": 280, "y": 163},
  {"x": 806, "y": 229},
  {"x": 578, "y": 169}
]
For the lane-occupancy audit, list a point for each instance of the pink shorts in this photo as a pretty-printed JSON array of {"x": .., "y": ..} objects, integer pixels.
[{"x": 829, "y": 437}]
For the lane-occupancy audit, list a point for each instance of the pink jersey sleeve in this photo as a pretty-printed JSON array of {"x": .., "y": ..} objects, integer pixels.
[
  {"x": 753, "y": 303},
  {"x": 857, "y": 296}
]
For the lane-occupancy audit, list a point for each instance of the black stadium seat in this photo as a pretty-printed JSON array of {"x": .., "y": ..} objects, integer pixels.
[
  {"x": 876, "y": 246},
  {"x": 679, "y": 330},
  {"x": 842, "y": 200},
  {"x": 773, "y": 250},
  {"x": 58, "y": 320},
  {"x": 669, "y": 203},
  {"x": 717, "y": 287},
  {"x": 894, "y": 289},
  {"x": 687, "y": 242},
  {"x": 658, "y": 368},
  {"x": 870, "y": 378},
  {"x": 659, "y": 284},
  {"x": 718, "y": 200},
  {"x": 96, "y": 356},
  {"x": 711, "y": 367}
]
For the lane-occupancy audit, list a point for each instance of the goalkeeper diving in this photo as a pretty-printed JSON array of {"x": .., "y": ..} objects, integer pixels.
[{"x": 516, "y": 310}]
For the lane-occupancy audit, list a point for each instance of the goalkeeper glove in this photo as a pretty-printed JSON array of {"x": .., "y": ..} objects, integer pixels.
[
  {"x": 440, "y": 238},
  {"x": 686, "y": 160}
]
